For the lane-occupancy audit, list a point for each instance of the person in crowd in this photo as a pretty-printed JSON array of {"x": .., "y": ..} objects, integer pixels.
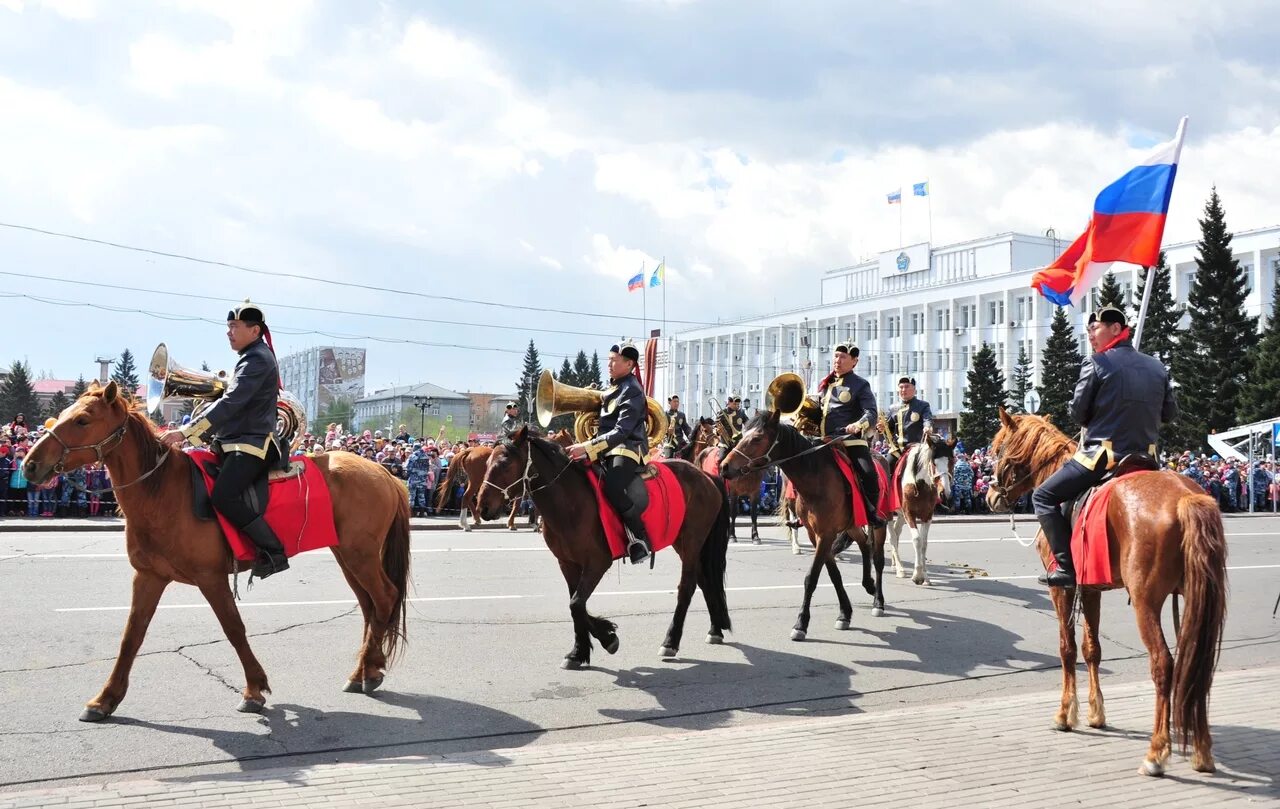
[
  {"x": 962, "y": 486},
  {"x": 6, "y": 471}
]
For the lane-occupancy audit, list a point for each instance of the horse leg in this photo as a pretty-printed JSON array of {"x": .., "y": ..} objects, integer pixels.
[
  {"x": 733, "y": 517},
  {"x": 511, "y": 520},
  {"x": 1068, "y": 710},
  {"x": 801, "y": 629},
  {"x": 684, "y": 594},
  {"x": 366, "y": 567},
  {"x": 1152, "y": 633},
  {"x": 793, "y": 531},
  {"x": 582, "y": 581},
  {"x": 147, "y": 589},
  {"x": 755, "y": 529},
  {"x": 1091, "y": 601},
  {"x": 354, "y": 684},
  {"x": 218, "y": 593},
  {"x": 846, "y": 606},
  {"x": 920, "y": 537},
  {"x": 462, "y": 515},
  {"x": 875, "y": 537},
  {"x": 864, "y": 545},
  {"x": 894, "y": 531}
]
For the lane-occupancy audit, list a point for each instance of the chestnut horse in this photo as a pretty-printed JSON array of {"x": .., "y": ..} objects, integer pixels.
[
  {"x": 823, "y": 502},
  {"x": 746, "y": 485},
  {"x": 471, "y": 462},
  {"x": 574, "y": 534},
  {"x": 167, "y": 543},
  {"x": 926, "y": 480},
  {"x": 1166, "y": 538}
]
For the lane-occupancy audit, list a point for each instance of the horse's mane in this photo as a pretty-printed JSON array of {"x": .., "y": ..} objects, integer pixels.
[
  {"x": 918, "y": 462},
  {"x": 147, "y": 446},
  {"x": 1034, "y": 442}
]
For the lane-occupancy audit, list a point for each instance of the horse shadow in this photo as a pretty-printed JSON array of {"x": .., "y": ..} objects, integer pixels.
[
  {"x": 766, "y": 682},
  {"x": 300, "y": 736}
]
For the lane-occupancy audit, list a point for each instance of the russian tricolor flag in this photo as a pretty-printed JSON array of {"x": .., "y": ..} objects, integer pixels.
[{"x": 1127, "y": 225}]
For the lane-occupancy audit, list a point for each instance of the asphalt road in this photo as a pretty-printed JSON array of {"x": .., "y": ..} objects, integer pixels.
[{"x": 488, "y": 627}]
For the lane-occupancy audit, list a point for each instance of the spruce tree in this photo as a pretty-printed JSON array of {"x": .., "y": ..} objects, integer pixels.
[
  {"x": 126, "y": 373},
  {"x": 565, "y": 420},
  {"x": 1260, "y": 398},
  {"x": 57, "y": 403},
  {"x": 18, "y": 396},
  {"x": 1211, "y": 361},
  {"x": 595, "y": 378},
  {"x": 1160, "y": 327},
  {"x": 582, "y": 370},
  {"x": 527, "y": 385},
  {"x": 1020, "y": 382},
  {"x": 1059, "y": 372},
  {"x": 80, "y": 387},
  {"x": 1110, "y": 293},
  {"x": 980, "y": 419}
]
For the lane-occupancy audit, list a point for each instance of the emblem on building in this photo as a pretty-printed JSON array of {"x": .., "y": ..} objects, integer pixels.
[{"x": 904, "y": 261}]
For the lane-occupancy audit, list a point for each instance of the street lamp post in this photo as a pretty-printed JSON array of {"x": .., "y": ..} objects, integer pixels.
[{"x": 423, "y": 403}]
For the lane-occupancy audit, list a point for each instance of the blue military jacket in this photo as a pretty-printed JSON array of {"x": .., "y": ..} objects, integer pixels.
[
  {"x": 244, "y": 419},
  {"x": 623, "y": 417},
  {"x": 1121, "y": 399},
  {"x": 907, "y": 421},
  {"x": 847, "y": 400}
]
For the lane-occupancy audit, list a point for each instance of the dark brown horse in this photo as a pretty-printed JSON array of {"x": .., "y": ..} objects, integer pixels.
[
  {"x": 470, "y": 463},
  {"x": 166, "y": 543},
  {"x": 746, "y": 485},
  {"x": 823, "y": 502},
  {"x": 1166, "y": 538},
  {"x": 573, "y": 532}
]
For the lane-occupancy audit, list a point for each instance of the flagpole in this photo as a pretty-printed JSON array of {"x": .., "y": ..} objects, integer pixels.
[
  {"x": 899, "y": 218},
  {"x": 644, "y": 298},
  {"x": 1148, "y": 276},
  {"x": 928, "y": 197}
]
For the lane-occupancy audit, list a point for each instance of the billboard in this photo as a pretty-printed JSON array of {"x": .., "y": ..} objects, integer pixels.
[{"x": 339, "y": 375}]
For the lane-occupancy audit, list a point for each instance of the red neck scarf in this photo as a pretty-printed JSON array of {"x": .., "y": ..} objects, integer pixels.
[{"x": 1124, "y": 334}]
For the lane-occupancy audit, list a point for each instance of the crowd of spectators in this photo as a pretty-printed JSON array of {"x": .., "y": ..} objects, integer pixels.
[{"x": 65, "y": 495}]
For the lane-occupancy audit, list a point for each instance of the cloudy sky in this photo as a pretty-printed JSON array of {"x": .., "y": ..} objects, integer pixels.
[{"x": 536, "y": 154}]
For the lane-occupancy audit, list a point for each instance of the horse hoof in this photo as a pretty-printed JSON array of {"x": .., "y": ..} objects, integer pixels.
[
  {"x": 902, "y": 574},
  {"x": 755, "y": 540},
  {"x": 371, "y": 685},
  {"x": 92, "y": 715},
  {"x": 842, "y": 624},
  {"x": 353, "y": 687},
  {"x": 251, "y": 706},
  {"x": 570, "y": 664},
  {"x": 611, "y": 645},
  {"x": 795, "y": 551},
  {"x": 513, "y": 528},
  {"x": 1062, "y": 726},
  {"x": 714, "y": 639},
  {"x": 1152, "y": 768},
  {"x": 798, "y": 634},
  {"x": 669, "y": 651},
  {"x": 877, "y": 612}
]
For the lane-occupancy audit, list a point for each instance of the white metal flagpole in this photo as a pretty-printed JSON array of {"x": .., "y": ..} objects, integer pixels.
[
  {"x": 644, "y": 306},
  {"x": 928, "y": 198},
  {"x": 1149, "y": 279}
]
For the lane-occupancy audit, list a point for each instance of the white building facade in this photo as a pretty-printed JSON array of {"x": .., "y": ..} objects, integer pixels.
[
  {"x": 323, "y": 375},
  {"x": 923, "y": 312}
]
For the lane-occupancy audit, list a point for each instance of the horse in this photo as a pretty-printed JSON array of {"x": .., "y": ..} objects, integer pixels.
[
  {"x": 1166, "y": 538},
  {"x": 574, "y": 534},
  {"x": 790, "y": 514},
  {"x": 471, "y": 462},
  {"x": 926, "y": 481},
  {"x": 747, "y": 485},
  {"x": 824, "y": 503},
  {"x": 167, "y": 543}
]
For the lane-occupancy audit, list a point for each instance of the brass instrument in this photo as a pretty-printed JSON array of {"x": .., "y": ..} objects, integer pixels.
[
  {"x": 169, "y": 380},
  {"x": 556, "y": 398},
  {"x": 882, "y": 424},
  {"x": 786, "y": 394}
]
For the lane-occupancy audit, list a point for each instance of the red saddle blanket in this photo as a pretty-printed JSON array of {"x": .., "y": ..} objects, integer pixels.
[
  {"x": 711, "y": 463},
  {"x": 299, "y": 510},
  {"x": 1090, "y": 542},
  {"x": 884, "y": 505},
  {"x": 662, "y": 518}
]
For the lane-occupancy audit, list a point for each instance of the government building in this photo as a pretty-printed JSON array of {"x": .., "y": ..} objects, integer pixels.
[{"x": 922, "y": 311}]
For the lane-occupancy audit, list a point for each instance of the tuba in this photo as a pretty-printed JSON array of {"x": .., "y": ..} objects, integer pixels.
[
  {"x": 786, "y": 394},
  {"x": 556, "y": 398},
  {"x": 169, "y": 380}
]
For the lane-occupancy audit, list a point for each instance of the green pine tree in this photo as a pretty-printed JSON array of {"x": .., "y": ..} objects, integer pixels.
[
  {"x": 980, "y": 419},
  {"x": 126, "y": 373},
  {"x": 1020, "y": 382},
  {"x": 1160, "y": 327},
  {"x": 1211, "y": 361},
  {"x": 564, "y": 421},
  {"x": 582, "y": 370},
  {"x": 1059, "y": 372},
  {"x": 18, "y": 396},
  {"x": 340, "y": 411},
  {"x": 527, "y": 385},
  {"x": 595, "y": 377},
  {"x": 1260, "y": 398},
  {"x": 80, "y": 387},
  {"x": 1110, "y": 293},
  {"x": 57, "y": 403}
]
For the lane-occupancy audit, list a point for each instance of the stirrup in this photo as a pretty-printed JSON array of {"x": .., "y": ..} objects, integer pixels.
[{"x": 643, "y": 546}]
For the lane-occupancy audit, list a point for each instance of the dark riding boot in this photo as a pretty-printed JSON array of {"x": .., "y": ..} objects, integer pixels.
[
  {"x": 638, "y": 545},
  {"x": 271, "y": 558},
  {"x": 1058, "y": 531},
  {"x": 843, "y": 541}
]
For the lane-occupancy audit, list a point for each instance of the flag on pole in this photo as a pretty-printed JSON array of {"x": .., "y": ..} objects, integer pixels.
[
  {"x": 659, "y": 273},
  {"x": 895, "y": 197},
  {"x": 636, "y": 282},
  {"x": 920, "y": 189},
  {"x": 1127, "y": 225}
]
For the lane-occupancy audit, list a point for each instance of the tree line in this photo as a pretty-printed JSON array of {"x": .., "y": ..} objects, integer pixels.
[
  {"x": 18, "y": 395},
  {"x": 583, "y": 372},
  {"x": 1225, "y": 371}
]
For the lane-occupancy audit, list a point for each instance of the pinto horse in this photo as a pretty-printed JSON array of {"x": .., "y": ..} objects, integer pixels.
[
  {"x": 573, "y": 532},
  {"x": 167, "y": 543},
  {"x": 926, "y": 481},
  {"x": 1166, "y": 537},
  {"x": 824, "y": 503}
]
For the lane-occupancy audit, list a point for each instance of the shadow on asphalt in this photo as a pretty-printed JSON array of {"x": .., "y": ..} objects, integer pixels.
[
  {"x": 300, "y": 736},
  {"x": 1251, "y": 755}
]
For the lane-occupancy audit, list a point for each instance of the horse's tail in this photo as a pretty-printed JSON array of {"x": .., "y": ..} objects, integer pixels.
[
  {"x": 395, "y": 564},
  {"x": 445, "y": 488},
  {"x": 1204, "y": 585},
  {"x": 713, "y": 561}
]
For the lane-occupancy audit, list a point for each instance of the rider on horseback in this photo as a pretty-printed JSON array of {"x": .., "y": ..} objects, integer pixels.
[
  {"x": 1121, "y": 400},
  {"x": 623, "y": 441},
  {"x": 848, "y": 408},
  {"x": 909, "y": 421},
  {"x": 678, "y": 431},
  {"x": 732, "y": 422},
  {"x": 242, "y": 427}
]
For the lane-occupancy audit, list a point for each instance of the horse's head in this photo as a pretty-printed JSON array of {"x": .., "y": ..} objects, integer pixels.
[
  {"x": 943, "y": 455},
  {"x": 1027, "y": 449},
  {"x": 85, "y": 432},
  {"x": 505, "y": 474},
  {"x": 754, "y": 451}
]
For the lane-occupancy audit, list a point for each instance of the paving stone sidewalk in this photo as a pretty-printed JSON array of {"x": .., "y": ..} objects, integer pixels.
[{"x": 993, "y": 752}]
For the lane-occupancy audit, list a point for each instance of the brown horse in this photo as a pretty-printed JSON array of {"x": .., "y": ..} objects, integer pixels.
[
  {"x": 824, "y": 503},
  {"x": 471, "y": 462},
  {"x": 574, "y": 534},
  {"x": 926, "y": 481},
  {"x": 1166, "y": 537},
  {"x": 167, "y": 543},
  {"x": 746, "y": 485}
]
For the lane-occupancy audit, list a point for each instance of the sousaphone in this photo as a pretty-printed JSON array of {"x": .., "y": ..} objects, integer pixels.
[{"x": 786, "y": 394}]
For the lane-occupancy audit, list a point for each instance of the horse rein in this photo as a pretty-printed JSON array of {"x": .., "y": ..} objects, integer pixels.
[
  {"x": 116, "y": 435},
  {"x": 529, "y": 474}
]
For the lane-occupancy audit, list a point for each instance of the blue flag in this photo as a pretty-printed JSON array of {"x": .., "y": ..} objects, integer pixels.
[{"x": 920, "y": 189}]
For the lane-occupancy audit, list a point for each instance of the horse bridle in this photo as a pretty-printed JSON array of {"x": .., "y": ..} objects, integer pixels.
[
  {"x": 1002, "y": 491},
  {"x": 100, "y": 454},
  {"x": 529, "y": 474},
  {"x": 767, "y": 457}
]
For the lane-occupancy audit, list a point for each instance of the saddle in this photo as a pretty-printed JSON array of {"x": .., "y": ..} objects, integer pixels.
[
  {"x": 657, "y": 491},
  {"x": 1090, "y": 542}
]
